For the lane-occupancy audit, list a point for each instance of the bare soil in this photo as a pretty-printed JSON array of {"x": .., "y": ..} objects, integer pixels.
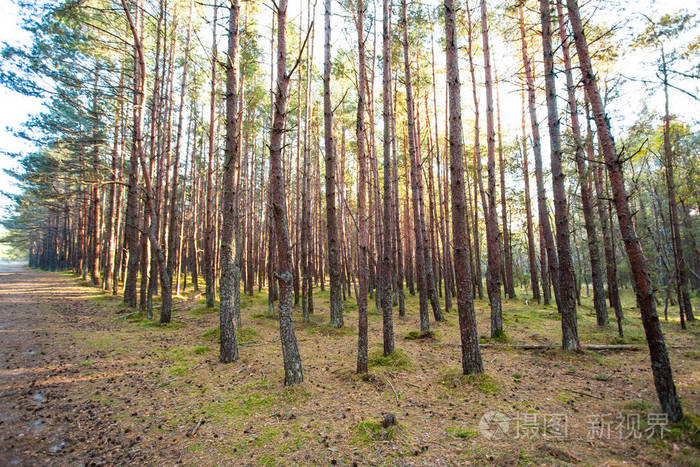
[{"x": 83, "y": 380}]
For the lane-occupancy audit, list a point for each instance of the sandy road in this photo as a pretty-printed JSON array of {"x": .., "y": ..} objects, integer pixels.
[{"x": 45, "y": 418}]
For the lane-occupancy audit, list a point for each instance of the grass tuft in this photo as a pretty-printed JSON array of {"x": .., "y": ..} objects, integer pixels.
[
  {"x": 454, "y": 378},
  {"x": 399, "y": 360},
  {"x": 368, "y": 432},
  {"x": 417, "y": 335}
]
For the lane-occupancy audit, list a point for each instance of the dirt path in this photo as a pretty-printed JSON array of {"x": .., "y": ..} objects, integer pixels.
[{"x": 41, "y": 422}]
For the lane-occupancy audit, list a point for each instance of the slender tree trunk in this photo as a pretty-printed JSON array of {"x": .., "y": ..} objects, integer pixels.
[
  {"x": 478, "y": 185},
  {"x": 362, "y": 236},
  {"x": 507, "y": 254},
  {"x": 131, "y": 231},
  {"x": 566, "y": 281},
  {"x": 532, "y": 264},
  {"x": 209, "y": 215},
  {"x": 228, "y": 348},
  {"x": 545, "y": 228},
  {"x": 471, "y": 354},
  {"x": 660, "y": 364},
  {"x": 421, "y": 276},
  {"x": 601, "y": 309},
  {"x": 174, "y": 228},
  {"x": 292, "y": 360},
  {"x": 493, "y": 280},
  {"x": 336, "y": 302},
  {"x": 387, "y": 263},
  {"x": 681, "y": 267}
]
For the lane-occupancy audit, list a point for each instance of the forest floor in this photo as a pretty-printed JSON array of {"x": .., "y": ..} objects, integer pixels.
[{"x": 82, "y": 380}]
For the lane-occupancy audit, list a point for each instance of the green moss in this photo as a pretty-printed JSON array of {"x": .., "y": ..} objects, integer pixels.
[
  {"x": 417, "y": 335},
  {"x": 399, "y": 360},
  {"x": 327, "y": 330},
  {"x": 462, "y": 434},
  {"x": 240, "y": 406},
  {"x": 454, "y": 378},
  {"x": 202, "y": 310},
  {"x": 211, "y": 332},
  {"x": 245, "y": 334},
  {"x": 602, "y": 377},
  {"x": 688, "y": 430},
  {"x": 202, "y": 349},
  {"x": 638, "y": 405},
  {"x": 368, "y": 432}
]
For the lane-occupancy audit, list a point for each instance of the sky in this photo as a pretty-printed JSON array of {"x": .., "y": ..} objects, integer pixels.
[{"x": 15, "y": 108}]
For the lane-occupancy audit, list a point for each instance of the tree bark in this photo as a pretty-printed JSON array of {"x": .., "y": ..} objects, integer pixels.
[
  {"x": 660, "y": 363},
  {"x": 545, "y": 228},
  {"x": 532, "y": 263},
  {"x": 292, "y": 360},
  {"x": 209, "y": 215},
  {"x": 416, "y": 196},
  {"x": 336, "y": 299},
  {"x": 362, "y": 236},
  {"x": 387, "y": 263},
  {"x": 601, "y": 309},
  {"x": 567, "y": 303},
  {"x": 471, "y": 354},
  {"x": 493, "y": 280},
  {"x": 228, "y": 348}
]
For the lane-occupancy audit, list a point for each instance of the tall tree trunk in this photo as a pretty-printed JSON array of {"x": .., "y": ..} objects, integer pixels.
[
  {"x": 660, "y": 363},
  {"x": 362, "y": 236},
  {"x": 95, "y": 221},
  {"x": 209, "y": 215},
  {"x": 681, "y": 266},
  {"x": 416, "y": 196},
  {"x": 493, "y": 280},
  {"x": 292, "y": 360},
  {"x": 175, "y": 215},
  {"x": 166, "y": 296},
  {"x": 507, "y": 254},
  {"x": 545, "y": 228},
  {"x": 131, "y": 231},
  {"x": 387, "y": 257},
  {"x": 336, "y": 302},
  {"x": 567, "y": 301},
  {"x": 471, "y": 354},
  {"x": 601, "y": 309},
  {"x": 532, "y": 263},
  {"x": 228, "y": 348},
  {"x": 478, "y": 184},
  {"x": 398, "y": 241}
]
